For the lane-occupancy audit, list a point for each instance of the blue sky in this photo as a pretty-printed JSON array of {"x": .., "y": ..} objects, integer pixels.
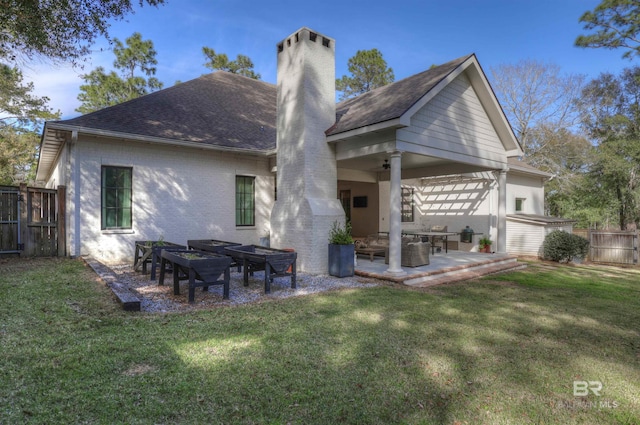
[{"x": 411, "y": 34}]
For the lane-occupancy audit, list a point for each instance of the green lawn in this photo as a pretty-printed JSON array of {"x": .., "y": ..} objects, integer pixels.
[{"x": 503, "y": 350}]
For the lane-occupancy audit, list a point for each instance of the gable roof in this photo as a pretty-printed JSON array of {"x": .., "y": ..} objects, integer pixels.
[
  {"x": 220, "y": 108},
  {"x": 391, "y": 101}
]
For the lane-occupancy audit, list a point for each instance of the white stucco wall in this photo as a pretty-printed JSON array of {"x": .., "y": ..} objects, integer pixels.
[
  {"x": 528, "y": 188},
  {"x": 178, "y": 194},
  {"x": 58, "y": 175},
  {"x": 455, "y": 205},
  {"x": 473, "y": 203}
]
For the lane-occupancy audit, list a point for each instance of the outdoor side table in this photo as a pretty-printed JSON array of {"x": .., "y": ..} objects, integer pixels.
[
  {"x": 202, "y": 269},
  {"x": 274, "y": 262}
]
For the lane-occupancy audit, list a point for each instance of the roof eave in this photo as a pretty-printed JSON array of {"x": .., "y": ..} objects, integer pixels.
[
  {"x": 44, "y": 174},
  {"x": 531, "y": 172},
  {"x": 546, "y": 221},
  {"x": 384, "y": 125}
]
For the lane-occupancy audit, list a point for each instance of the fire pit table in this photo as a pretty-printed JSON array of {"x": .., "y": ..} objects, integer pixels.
[
  {"x": 201, "y": 268},
  {"x": 274, "y": 262},
  {"x": 149, "y": 252}
]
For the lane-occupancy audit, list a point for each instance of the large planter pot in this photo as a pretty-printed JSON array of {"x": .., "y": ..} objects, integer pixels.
[{"x": 341, "y": 260}]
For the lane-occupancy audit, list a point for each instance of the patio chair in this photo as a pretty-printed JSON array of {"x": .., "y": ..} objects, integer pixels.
[{"x": 413, "y": 253}]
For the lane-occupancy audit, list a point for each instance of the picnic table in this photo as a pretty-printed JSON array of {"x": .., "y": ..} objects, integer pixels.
[
  {"x": 149, "y": 252},
  {"x": 200, "y": 268},
  {"x": 274, "y": 262}
]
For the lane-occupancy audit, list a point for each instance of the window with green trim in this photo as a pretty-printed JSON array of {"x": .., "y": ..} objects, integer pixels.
[
  {"x": 116, "y": 197},
  {"x": 245, "y": 201}
]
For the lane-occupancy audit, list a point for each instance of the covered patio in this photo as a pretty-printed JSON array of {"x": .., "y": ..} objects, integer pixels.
[
  {"x": 442, "y": 122},
  {"x": 448, "y": 267}
]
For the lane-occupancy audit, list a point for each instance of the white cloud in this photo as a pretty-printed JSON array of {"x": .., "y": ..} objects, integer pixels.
[{"x": 61, "y": 83}]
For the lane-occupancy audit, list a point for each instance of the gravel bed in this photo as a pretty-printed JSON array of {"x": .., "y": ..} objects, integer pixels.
[{"x": 160, "y": 299}]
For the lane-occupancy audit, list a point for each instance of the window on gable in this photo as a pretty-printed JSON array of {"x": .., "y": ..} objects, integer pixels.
[
  {"x": 407, "y": 205},
  {"x": 520, "y": 204},
  {"x": 245, "y": 201},
  {"x": 116, "y": 193}
]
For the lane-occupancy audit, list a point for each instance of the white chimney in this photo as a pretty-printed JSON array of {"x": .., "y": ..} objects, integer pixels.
[{"x": 307, "y": 203}]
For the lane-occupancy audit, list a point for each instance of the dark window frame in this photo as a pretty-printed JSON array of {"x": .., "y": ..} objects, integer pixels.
[
  {"x": 245, "y": 201},
  {"x": 407, "y": 210},
  {"x": 116, "y": 199}
]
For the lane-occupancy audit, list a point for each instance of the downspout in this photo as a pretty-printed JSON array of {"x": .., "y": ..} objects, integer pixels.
[{"x": 73, "y": 211}]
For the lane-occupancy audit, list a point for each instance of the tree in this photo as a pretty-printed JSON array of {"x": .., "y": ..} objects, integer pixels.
[
  {"x": 241, "y": 66},
  {"x": 368, "y": 71},
  {"x": 62, "y": 31},
  {"x": 536, "y": 95},
  {"x": 616, "y": 24},
  {"x": 104, "y": 89},
  {"x": 19, "y": 155},
  {"x": 21, "y": 118},
  {"x": 617, "y": 173},
  {"x": 610, "y": 108}
]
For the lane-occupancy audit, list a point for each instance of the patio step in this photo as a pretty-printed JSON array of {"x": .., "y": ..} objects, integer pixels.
[{"x": 465, "y": 272}]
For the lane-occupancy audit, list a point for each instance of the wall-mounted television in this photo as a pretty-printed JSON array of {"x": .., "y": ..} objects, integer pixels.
[{"x": 359, "y": 202}]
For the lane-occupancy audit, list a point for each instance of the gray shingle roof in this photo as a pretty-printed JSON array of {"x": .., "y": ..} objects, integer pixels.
[
  {"x": 232, "y": 111},
  {"x": 220, "y": 109},
  {"x": 391, "y": 101}
]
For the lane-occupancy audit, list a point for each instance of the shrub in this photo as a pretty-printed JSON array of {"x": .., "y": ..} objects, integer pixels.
[
  {"x": 563, "y": 247},
  {"x": 340, "y": 235}
]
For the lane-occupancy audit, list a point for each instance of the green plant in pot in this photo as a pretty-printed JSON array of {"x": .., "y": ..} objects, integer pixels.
[
  {"x": 485, "y": 244},
  {"x": 341, "y": 250}
]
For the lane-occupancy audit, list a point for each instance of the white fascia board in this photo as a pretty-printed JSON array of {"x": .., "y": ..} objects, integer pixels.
[{"x": 394, "y": 123}]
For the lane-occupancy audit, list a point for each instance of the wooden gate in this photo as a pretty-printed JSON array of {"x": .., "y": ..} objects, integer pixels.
[
  {"x": 32, "y": 221},
  {"x": 10, "y": 242},
  {"x": 613, "y": 247}
]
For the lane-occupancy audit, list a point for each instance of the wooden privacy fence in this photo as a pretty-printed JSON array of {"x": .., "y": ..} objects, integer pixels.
[
  {"x": 613, "y": 247},
  {"x": 32, "y": 221}
]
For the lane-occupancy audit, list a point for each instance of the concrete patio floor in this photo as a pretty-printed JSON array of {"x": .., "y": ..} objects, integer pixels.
[{"x": 443, "y": 268}]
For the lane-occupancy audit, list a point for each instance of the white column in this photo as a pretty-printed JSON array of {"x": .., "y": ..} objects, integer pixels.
[
  {"x": 502, "y": 212},
  {"x": 395, "y": 215}
]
